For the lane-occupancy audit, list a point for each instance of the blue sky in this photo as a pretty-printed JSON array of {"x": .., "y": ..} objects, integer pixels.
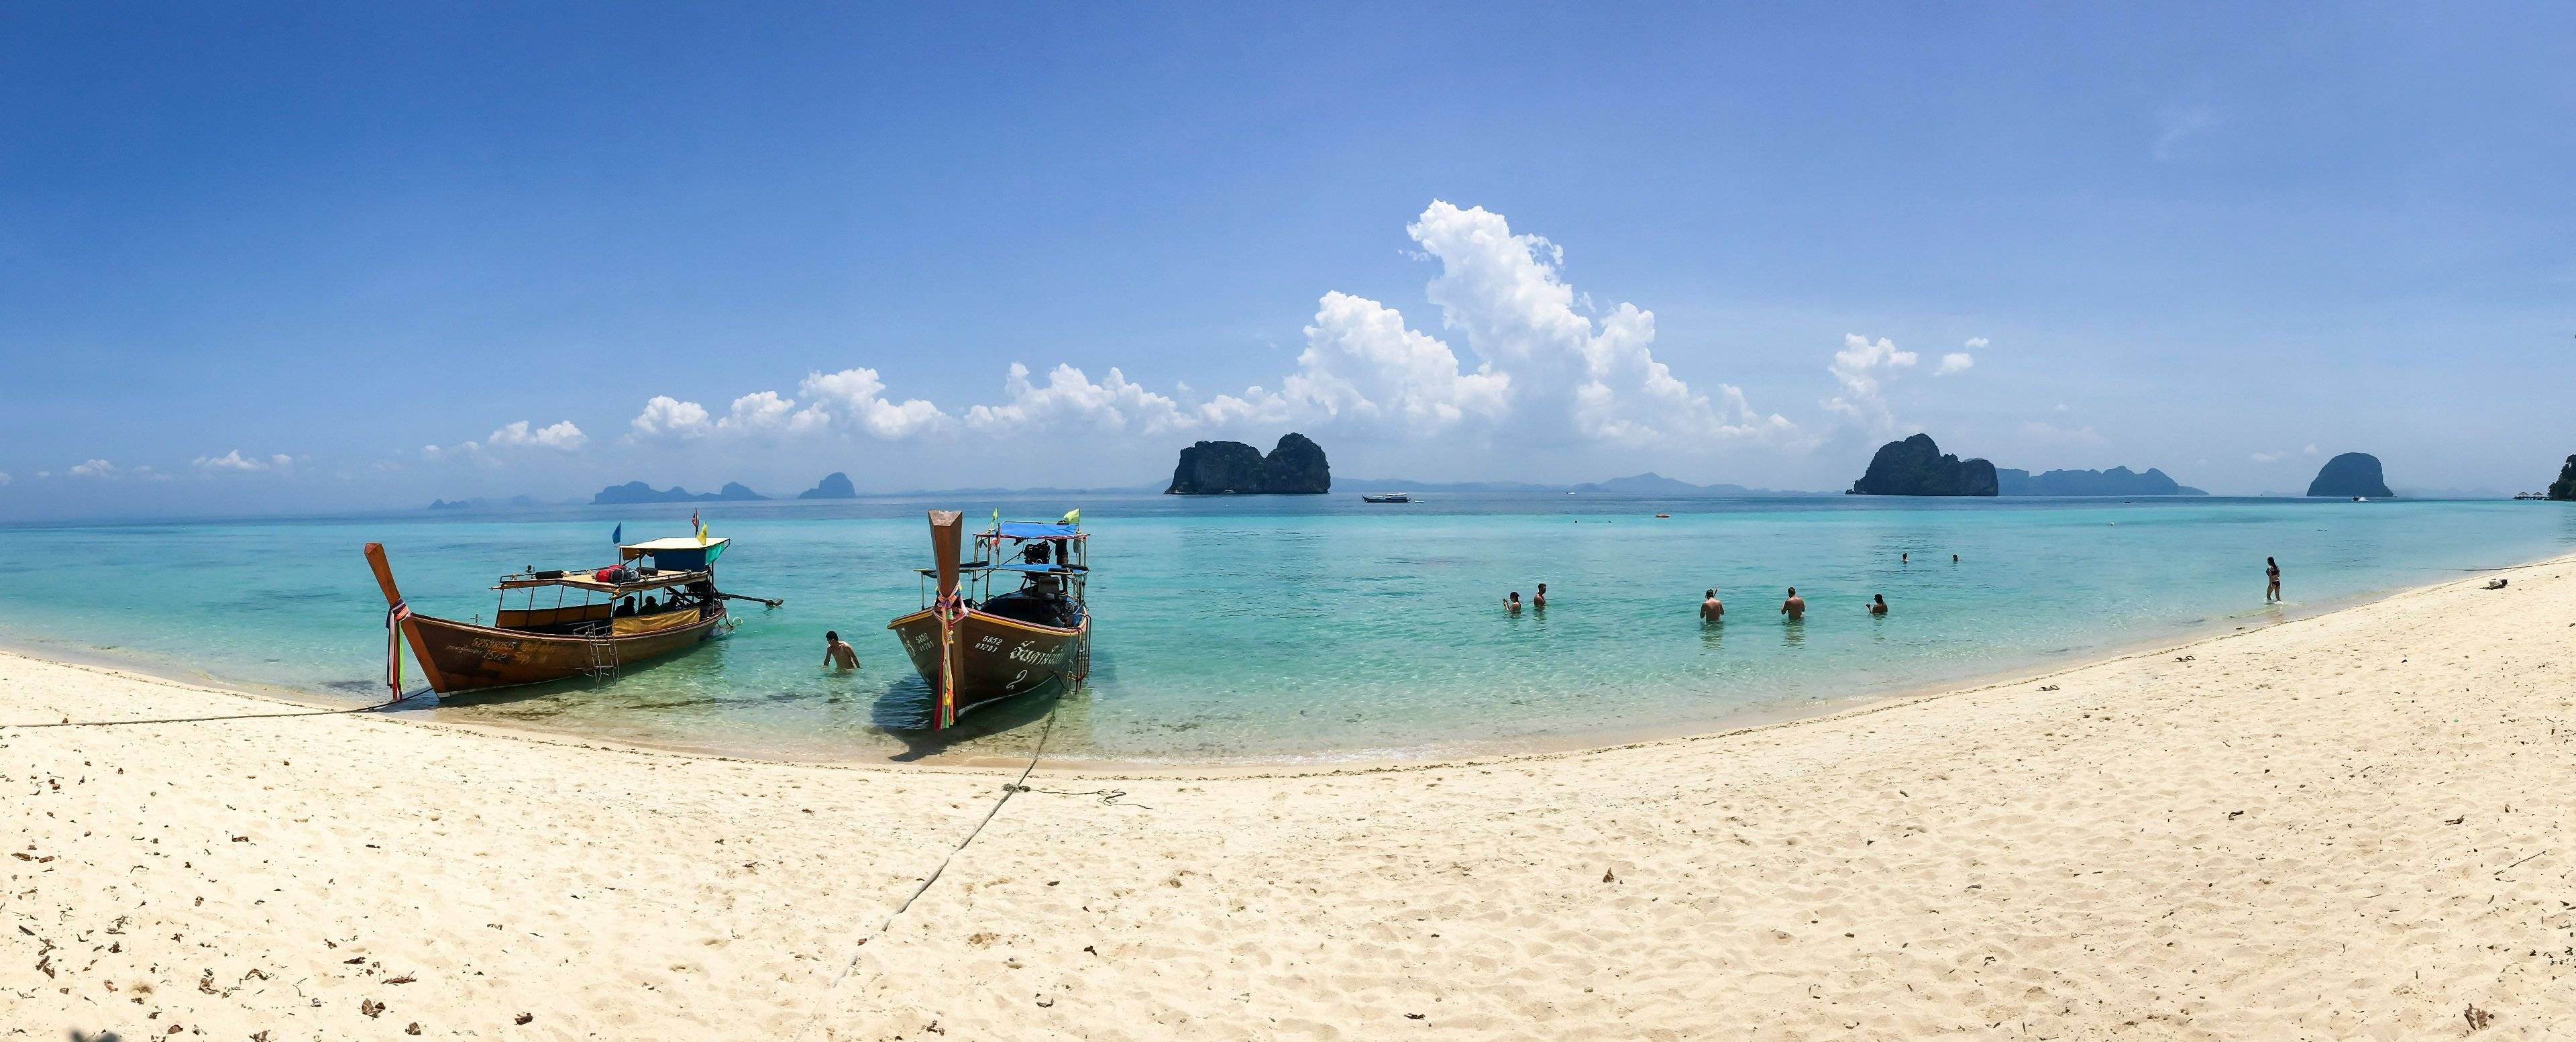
[{"x": 1447, "y": 242}]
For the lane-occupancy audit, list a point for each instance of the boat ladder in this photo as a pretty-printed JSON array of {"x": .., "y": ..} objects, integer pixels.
[{"x": 603, "y": 657}]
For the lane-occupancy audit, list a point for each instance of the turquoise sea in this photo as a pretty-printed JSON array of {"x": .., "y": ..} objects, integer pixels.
[{"x": 1278, "y": 628}]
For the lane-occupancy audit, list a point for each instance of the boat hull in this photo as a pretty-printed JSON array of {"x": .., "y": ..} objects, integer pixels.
[
  {"x": 460, "y": 657},
  {"x": 995, "y": 658}
]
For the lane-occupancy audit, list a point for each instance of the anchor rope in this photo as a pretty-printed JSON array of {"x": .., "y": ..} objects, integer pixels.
[{"x": 1015, "y": 787}]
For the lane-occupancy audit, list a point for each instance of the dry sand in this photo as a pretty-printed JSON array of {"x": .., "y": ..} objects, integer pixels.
[{"x": 2360, "y": 825}]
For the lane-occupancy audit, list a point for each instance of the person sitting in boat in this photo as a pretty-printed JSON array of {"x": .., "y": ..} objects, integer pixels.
[
  {"x": 1035, "y": 553},
  {"x": 625, "y": 607}
]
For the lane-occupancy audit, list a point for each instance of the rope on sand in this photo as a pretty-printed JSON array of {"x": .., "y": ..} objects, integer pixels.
[
  {"x": 398, "y": 700},
  {"x": 1016, "y": 787}
]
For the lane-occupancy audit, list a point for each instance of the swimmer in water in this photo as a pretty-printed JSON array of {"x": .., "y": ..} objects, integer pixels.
[
  {"x": 1539, "y": 600},
  {"x": 837, "y": 655},
  {"x": 1878, "y": 604},
  {"x": 1512, "y": 603},
  {"x": 1712, "y": 609},
  {"x": 2271, "y": 581},
  {"x": 1795, "y": 607}
]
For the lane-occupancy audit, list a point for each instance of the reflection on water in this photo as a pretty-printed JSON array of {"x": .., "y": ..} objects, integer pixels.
[{"x": 1268, "y": 628}]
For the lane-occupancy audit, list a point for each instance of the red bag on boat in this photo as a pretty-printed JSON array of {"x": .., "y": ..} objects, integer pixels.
[{"x": 613, "y": 574}]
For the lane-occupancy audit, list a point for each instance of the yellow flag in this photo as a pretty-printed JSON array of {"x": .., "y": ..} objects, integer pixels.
[{"x": 1072, "y": 517}]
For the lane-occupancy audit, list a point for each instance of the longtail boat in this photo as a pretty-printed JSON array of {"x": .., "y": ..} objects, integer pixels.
[
  {"x": 659, "y": 599},
  {"x": 976, "y": 648}
]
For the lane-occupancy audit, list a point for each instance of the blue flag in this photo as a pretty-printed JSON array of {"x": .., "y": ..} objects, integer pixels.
[{"x": 618, "y": 537}]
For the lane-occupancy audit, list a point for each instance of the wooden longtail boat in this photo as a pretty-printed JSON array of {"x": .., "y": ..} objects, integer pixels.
[
  {"x": 559, "y": 638},
  {"x": 975, "y": 652}
]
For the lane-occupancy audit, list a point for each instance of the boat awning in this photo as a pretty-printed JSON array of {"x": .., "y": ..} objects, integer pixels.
[
  {"x": 1037, "y": 530},
  {"x": 584, "y": 581},
  {"x": 682, "y": 554},
  {"x": 1041, "y": 569}
]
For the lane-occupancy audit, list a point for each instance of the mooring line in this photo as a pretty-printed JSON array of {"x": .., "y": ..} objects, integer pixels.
[
  {"x": 1014, "y": 788},
  {"x": 212, "y": 719}
]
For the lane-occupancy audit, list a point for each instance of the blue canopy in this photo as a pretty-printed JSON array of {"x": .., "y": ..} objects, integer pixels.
[
  {"x": 1036, "y": 530},
  {"x": 1041, "y": 569}
]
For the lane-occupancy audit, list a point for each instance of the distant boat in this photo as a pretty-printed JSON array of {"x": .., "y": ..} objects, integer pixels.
[
  {"x": 2361, "y": 499},
  {"x": 1663, "y": 515},
  {"x": 978, "y": 651},
  {"x": 540, "y": 641},
  {"x": 1387, "y": 497}
]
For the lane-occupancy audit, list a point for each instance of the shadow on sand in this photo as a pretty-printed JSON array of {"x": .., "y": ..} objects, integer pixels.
[{"x": 903, "y": 713}]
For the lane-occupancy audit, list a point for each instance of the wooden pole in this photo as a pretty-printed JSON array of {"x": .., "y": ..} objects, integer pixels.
[{"x": 411, "y": 632}]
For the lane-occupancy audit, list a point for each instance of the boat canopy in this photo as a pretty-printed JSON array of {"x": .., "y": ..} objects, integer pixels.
[
  {"x": 1027, "y": 530},
  {"x": 683, "y": 554},
  {"x": 586, "y": 581}
]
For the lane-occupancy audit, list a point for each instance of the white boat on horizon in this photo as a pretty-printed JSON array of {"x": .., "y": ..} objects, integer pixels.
[{"x": 1386, "y": 497}]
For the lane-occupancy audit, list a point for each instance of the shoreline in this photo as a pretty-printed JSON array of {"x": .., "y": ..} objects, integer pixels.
[
  {"x": 420, "y": 708},
  {"x": 1734, "y": 725}
]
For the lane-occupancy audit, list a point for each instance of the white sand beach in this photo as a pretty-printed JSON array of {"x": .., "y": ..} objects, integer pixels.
[{"x": 2360, "y": 825}]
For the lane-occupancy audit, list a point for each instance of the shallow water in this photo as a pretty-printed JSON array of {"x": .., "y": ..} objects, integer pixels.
[{"x": 1279, "y": 628}]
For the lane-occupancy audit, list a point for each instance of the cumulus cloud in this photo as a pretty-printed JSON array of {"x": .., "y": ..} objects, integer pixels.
[
  {"x": 2268, "y": 457},
  {"x": 1503, "y": 292},
  {"x": 235, "y": 462},
  {"x": 562, "y": 436},
  {"x": 1862, "y": 367},
  {"x": 1976, "y": 343},
  {"x": 1955, "y": 362},
  {"x": 1541, "y": 360},
  {"x": 96, "y": 468},
  {"x": 2311, "y": 449},
  {"x": 666, "y": 417}
]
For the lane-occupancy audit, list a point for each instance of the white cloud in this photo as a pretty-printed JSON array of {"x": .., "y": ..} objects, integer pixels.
[
  {"x": 97, "y": 468},
  {"x": 2177, "y": 124},
  {"x": 1503, "y": 292},
  {"x": 4, "y": 477},
  {"x": 1976, "y": 343},
  {"x": 1954, "y": 362},
  {"x": 236, "y": 462},
  {"x": 2268, "y": 457},
  {"x": 561, "y": 437},
  {"x": 666, "y": 417},
  {"x": 1541, "y": 364},
  {"x": 857, "y": 397},
  {"x": 2061, "y": 407},
  {"x": 1861, "y": 367},
  {"x": 2311, "y": 449},
  {"x": 1362, "y": 362}
]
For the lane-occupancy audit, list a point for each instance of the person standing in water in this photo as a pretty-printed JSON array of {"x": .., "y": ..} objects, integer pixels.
[
  {"x": 837, "y": 655},
  {"x": 1512, "y": 603},
  {"x": 1712, "y": 609},
  {"x": 1538, "y": 601},
  {"x": 1878, "y": 604},
  {"x": 2271, "y": 581},
  {"x": 1795, "y": 607}
]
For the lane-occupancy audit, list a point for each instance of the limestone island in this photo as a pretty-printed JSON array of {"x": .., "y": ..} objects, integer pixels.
[
  {"x": 1295, "y": 467},
  {"x": 834, "y": 485},
  {"x": 1916, "y": 467},
  {"x": 2351, "y": 474}
]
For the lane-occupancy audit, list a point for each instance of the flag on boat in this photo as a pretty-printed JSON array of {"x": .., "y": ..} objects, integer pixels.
[
  {"x": 1072, "y": 517},
  {"x": 700, "y": 527},
  {"x": 618, "y": 537},
  {"x": 394, "y": 618}
]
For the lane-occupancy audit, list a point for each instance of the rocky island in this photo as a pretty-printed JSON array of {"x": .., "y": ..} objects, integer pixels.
[
  {"x": 1916, "y": 467},
  {"x": 2117, "y": 481},
  {"x": 639, "y": 492},
  {"x": 2351, "y": 474},
  {"x": 2565, "y": 487},
  {"x": 1295, "y": 467},
  {"x": 834, "y": 485}
]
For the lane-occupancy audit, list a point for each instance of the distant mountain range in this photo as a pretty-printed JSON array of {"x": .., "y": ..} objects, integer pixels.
[
  {"x": 2117, "y": 481},
  {"x": 484, "y": 503},
  {"x": 1653, "y": 484},
  {"x": 639, "y": 492}
]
